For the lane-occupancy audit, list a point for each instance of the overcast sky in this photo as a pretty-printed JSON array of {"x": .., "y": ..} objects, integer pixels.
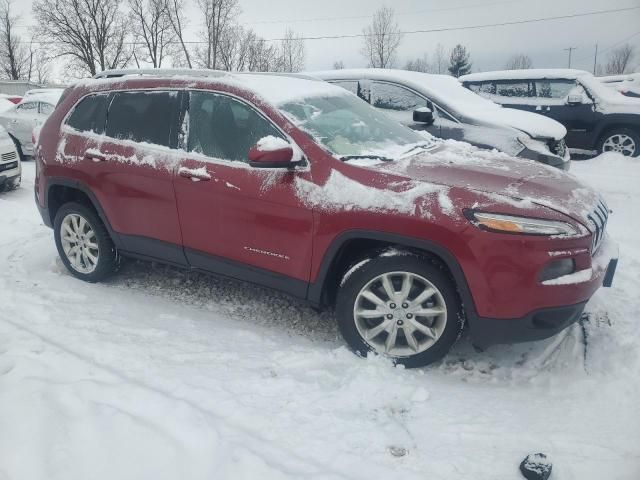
[{"x": 490, "y": 47}]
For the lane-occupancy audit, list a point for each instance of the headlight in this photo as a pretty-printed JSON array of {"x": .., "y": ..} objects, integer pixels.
[
  {"x": 496, "y": 222},
  {"x": 537, "y": 146}
]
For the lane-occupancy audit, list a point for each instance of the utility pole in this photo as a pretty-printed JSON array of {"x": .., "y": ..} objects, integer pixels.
[
  {"x": 570, "y": 49},
  {"x": 595, "y": 60}
]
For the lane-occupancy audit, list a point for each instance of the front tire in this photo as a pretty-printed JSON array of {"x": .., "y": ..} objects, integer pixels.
[
  {"x": 84, "y": 244},
  {"x": 621, "y": 140},
  {"x": 404, "y": 307}
]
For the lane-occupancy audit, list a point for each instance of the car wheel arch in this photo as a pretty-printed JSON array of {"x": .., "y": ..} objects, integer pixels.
[{"x": 339, "y": 257}]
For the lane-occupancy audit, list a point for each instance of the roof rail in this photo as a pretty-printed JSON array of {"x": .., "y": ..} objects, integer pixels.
[
  {"x": 161, "y": 72},
  {"x": 303, "y": 76}
]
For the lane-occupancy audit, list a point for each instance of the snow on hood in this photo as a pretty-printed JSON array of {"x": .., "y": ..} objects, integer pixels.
[
  {"x": 518, "y": 182},
  {"x": 449, "y": 93}
]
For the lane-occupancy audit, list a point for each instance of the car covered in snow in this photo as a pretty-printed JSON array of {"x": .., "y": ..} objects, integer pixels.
[
  {"x": 300, "y": 186},
  {"x": 21, "y": 119},
  {"x": 438, "y": 104},
  {"x": 626, "y": 84},
  {"x": 10, "y": 167},
  {"x": 597, "y": 118}
]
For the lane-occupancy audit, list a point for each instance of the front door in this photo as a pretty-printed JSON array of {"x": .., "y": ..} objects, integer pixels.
[{"x": 244, "y": 222}]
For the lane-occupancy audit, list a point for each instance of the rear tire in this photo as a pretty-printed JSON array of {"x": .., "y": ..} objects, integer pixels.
[
  {"x": 621, "y": 140},
  {"x": 411, "y": 325},
  {"x": 84, "y": 244}
]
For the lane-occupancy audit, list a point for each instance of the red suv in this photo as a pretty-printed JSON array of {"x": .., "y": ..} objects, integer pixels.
[{"x": 300, "y": 186}]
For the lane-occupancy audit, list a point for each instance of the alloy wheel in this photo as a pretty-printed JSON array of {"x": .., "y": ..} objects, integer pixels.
[
  {"x": 79, "y": 243},
  {"x": 400, "y": 314},
  {"x": 620, "y": 143}
]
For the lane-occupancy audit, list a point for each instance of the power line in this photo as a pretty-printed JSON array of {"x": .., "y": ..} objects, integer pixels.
[{"x": 610, "y": 47}]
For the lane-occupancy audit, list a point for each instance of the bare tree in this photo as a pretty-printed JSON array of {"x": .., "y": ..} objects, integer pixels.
[
  {"x": 175, "y": 11},
  {"x": 41, "y": 69},
  {"x": 153, "y": 32},
  {"x": 219, "y": 15},
  {"x": 420, "y": 64},
  {"x": 338, "y": 65},
  {"x": 292, "y": 52},
  {"x": 382, "y": 39},
  {"x": 15, "y": 57},
  {"x": 439, "y": 60},
  {"x": 619, "y": 59},
  {"x": 92, "y": 33},
  {"x": 519, "y": 61}
]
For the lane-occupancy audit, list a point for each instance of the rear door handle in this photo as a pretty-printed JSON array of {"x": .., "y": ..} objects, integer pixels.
[
  {"x": 95, "y": 156},
  {"x": 195, "y": 174}
]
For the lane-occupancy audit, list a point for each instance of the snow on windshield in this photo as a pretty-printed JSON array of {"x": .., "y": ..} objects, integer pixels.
[{"x": 348, "y": 127}]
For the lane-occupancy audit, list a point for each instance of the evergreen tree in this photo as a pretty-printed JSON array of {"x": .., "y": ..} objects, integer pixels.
[{"x": 459, "y": 63}]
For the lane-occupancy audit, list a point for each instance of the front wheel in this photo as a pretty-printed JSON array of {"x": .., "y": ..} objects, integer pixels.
[
  {"x": 404, "y": 307},
  {"x": 620, "y": 140},
  {"x": 83, "y": 243}
]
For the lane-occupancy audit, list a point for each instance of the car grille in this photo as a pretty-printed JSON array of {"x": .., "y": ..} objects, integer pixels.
[
  {"x": 8, "y": 166},
  {"x": 9, "y": 156},
  {"x": 558, "y": 147},
  {"x": 598, "y": 219}
]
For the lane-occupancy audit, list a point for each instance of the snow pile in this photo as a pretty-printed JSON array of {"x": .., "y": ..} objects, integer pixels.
[
  {"x": 341, "y": 193},
  {"x": 271, "y": 144}
]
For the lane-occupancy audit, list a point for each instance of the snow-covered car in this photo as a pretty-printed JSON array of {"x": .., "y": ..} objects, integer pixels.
[
  {"x": 300, "y": 186},
  {"x": 597, "y": 118},
  {"x": 20, "y": 120},
  {"x": 440, "y": 105},
  {"x": 628, "y": 85},
  {"x": 10, "y": 167}
]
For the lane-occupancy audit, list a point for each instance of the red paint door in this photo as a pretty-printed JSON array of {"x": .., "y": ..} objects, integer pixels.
[{"x": 230, "y": 211}]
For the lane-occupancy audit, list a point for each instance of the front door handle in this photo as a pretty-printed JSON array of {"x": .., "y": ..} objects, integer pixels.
[
  {"x": 95, "y": 156},
  {"x": 195, "y": 174}
]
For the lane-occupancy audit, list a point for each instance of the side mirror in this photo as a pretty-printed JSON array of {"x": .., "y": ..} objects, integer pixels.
[
  {"x": 271, "y": 152},
  {"x": 423, "y": 115},
  {"x": 574, "y": 100}
]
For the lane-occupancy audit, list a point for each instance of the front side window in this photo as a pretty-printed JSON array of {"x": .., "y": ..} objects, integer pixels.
[
  {"x": 90, "y": 114},
  {"x": 222, "y": 127},
  {"x": 514, "y": 89},
  {"x": 46, "y": 108},
  {"x": 347, "y": 126},
  {"x": 554, "y": 88},
  {"x": 394, "y": 97},
  {"x": 27, "y": 107},
  {"x": 142, "y": 116}
]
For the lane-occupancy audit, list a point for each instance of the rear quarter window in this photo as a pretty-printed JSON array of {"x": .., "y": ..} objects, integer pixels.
[{"x": 89, "y": 114}]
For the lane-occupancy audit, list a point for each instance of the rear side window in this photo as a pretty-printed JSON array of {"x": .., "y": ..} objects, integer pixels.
[
  {"x": 485, "y": 87},
  {"x": 46, "y": 108},
  {"x": 142, "y": 116},
  {"x": 90, "y": 114},
  {"x": 351, "y": 85},
  {"x": 514, "y": 89}
]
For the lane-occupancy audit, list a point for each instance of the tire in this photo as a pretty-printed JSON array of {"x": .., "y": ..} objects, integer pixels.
[
  {"x": 10, "y": 185},
  {"x": 622, "y": 140},
  {"x": 444, "y": 329},
  {"x": 98, "y": 246}
]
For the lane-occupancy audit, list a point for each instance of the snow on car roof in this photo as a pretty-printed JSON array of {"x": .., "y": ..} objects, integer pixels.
[
  {"x": 526, "y": 74},
  {"x": 275, "y": 88}
]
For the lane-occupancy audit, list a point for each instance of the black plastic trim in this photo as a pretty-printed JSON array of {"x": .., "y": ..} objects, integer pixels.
[
  {"x": 537, "y": 325},
  {"x": 611, "y": 270},
  {"x": 316, "y": 289},
  {"x": 151, "y": 249}
]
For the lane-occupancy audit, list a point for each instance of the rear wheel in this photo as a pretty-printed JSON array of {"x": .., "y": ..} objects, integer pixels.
[
  {"x": 83, "y": 243},
  {"x": 620, "y": 140},
  {"x": 404, "y": 307}
]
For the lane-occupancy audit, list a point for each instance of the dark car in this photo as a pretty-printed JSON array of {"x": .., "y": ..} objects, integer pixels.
[
  {"x": 438, "y": 104},
  {"x": 300, "y": 186},
  {"x": 598, "y": 118}
]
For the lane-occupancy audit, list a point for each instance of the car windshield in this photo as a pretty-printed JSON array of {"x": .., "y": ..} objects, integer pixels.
[{"x": 350, "y": 128}]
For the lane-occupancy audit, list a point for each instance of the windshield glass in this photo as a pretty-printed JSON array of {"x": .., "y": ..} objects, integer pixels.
[{"x": 349, "y": 127}]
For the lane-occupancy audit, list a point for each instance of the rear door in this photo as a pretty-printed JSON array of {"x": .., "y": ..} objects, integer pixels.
[
  {"x": 245, "y": 222},
  {"x": 127, "y": 156}
]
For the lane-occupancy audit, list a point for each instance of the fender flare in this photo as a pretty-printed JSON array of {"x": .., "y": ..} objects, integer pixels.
[
  {"x": 82, "y": 187},
  {"x": 317, "y": 288}
]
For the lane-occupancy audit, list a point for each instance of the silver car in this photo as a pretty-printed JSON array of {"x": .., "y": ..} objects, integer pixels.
[{"x": 20, "y": 121}]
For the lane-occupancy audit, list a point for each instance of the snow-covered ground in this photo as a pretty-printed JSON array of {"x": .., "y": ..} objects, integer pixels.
[{"x": 161, "y": 374}]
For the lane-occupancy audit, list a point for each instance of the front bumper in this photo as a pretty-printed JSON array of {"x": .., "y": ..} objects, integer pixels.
[
  {"x": 545, "y": 322},
  {"x": 561, "y": 162}
]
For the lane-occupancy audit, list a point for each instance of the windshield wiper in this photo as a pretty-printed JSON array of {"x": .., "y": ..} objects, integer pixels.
[
  {"x": 424, "y": 146},
  {"x": 346, "y": 158}
]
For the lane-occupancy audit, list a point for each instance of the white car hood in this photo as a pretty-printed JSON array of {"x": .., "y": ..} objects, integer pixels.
[{"x": 533, "y": 124}]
